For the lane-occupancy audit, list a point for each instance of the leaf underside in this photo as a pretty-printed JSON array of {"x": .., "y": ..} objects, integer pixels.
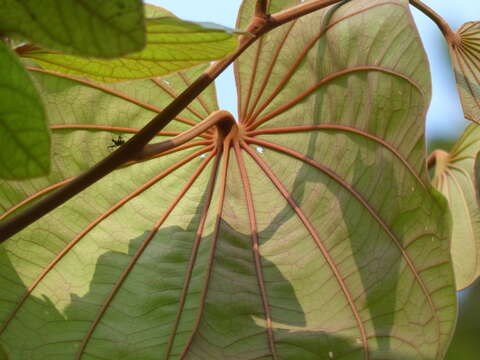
[
  {"x": 172, "y": 44},
  {"x": 24, "y": 136},
  {"x": 456, "y": 178},
  {"x": 107, "y": 28},
  {"x": 312, "y": 233},
  {"x": 465, "y": 55}
]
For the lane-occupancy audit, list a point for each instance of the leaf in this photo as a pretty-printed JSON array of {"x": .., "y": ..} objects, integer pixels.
[
  {"x": 172, "y": 44},
  {"x": 106, "y": 29},
  {"x": 23, "y": 131},
  {"x": 456, "y": 176},
  {"x": 313, "y": 233},
  {"x": 3, "y": 354},
  {"x": 465, "y": 55}
]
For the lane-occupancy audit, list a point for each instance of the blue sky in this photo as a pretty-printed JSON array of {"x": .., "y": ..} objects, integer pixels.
[{"x": 445, "y": 118}]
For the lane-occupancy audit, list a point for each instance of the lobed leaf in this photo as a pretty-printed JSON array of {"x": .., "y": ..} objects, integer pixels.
[
  {"x": 309, "y": 232},
  {"x": 172, "y": 44},
  {"x": 456, "y": 176},
  {"x": 23, "y": 132},
  {"x": 106, "y": 29},
  {"x": 465, "y": 55}
]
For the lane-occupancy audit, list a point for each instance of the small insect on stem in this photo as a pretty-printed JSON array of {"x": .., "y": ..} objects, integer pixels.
[{"x": 117, "y": 142}]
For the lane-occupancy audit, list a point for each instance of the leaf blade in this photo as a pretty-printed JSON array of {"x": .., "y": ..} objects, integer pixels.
[
  {"x": 172, "y": 44},
  {"x": 465, "y": 55},
  {"x": 456, "y": 177},
  {"x": 278, "y": 113},
  {"x": 107, "y": 29},
  {"x": 23, "y": 133}
]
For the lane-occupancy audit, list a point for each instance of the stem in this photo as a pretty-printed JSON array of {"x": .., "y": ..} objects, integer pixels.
[
  {"x": 431, "y": 160},
  {"x": 436, "y": 18},
  {"x": 439, "y": 159},
  {"x": 220, "y": 118},
  {"x": 300, "y": 10},
  {"x": 261, "y": 8},
  {"x": 25, "y": 48},
  {"x": 133, "y": 147}
]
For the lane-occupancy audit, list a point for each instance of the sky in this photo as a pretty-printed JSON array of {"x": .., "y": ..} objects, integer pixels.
[{"x": 445, "y": 117}]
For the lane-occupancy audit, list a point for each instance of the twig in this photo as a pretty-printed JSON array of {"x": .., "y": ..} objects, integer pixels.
[
  {"x": 300, "y": 10},
  {"x": 261, "y": 8},
  {"x": 221, "y": 118},
  {"x": 437, "y": 19}
]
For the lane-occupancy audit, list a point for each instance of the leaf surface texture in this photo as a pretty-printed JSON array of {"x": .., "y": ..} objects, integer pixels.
[
  {"x": 106, "y": 28},
  {"x": 24, "y": 135},
  {"x": 172, "y": 44},
  {"x": 465, "y": 55},
  {"x": 311, "y": 233},
  {"x": 456, "y": 176}
]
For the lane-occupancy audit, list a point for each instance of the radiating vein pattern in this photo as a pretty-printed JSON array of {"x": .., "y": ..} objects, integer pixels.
[
  {"x": 308, "y": 230},
  {"x": 465, "y": 54},
  {"x": 84, "y": 240},
  {"x": 350, "y": 162}
]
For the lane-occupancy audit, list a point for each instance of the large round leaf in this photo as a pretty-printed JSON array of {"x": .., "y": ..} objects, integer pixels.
[
  {"x": 457, "y": 176},
  {"x": 309, "y": 232}
]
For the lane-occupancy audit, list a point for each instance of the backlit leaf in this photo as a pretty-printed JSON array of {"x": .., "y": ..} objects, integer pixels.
[
  {"x": 310, "y": 232},
  {"x": 3, "y": 354},
  {"x": 172, "y": 44},
  {"x": 465, "y": 55},
  {"x": 106, "y": 28},
  {"x": 24, "y": 137},
  {"x": 456, "y": 176}
]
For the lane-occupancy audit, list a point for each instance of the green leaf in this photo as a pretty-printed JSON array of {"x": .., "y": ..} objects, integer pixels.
[
  {"x": 313, "y": 233},
  {"x": 456, "y": 176},
  {"x": 23, "y": 131},
  {"x": 106, "y": 29},
  {"x": 465, "y": 55},
  {"x": 3, "y": 354},
  {"x": 172, "y": 44}
]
